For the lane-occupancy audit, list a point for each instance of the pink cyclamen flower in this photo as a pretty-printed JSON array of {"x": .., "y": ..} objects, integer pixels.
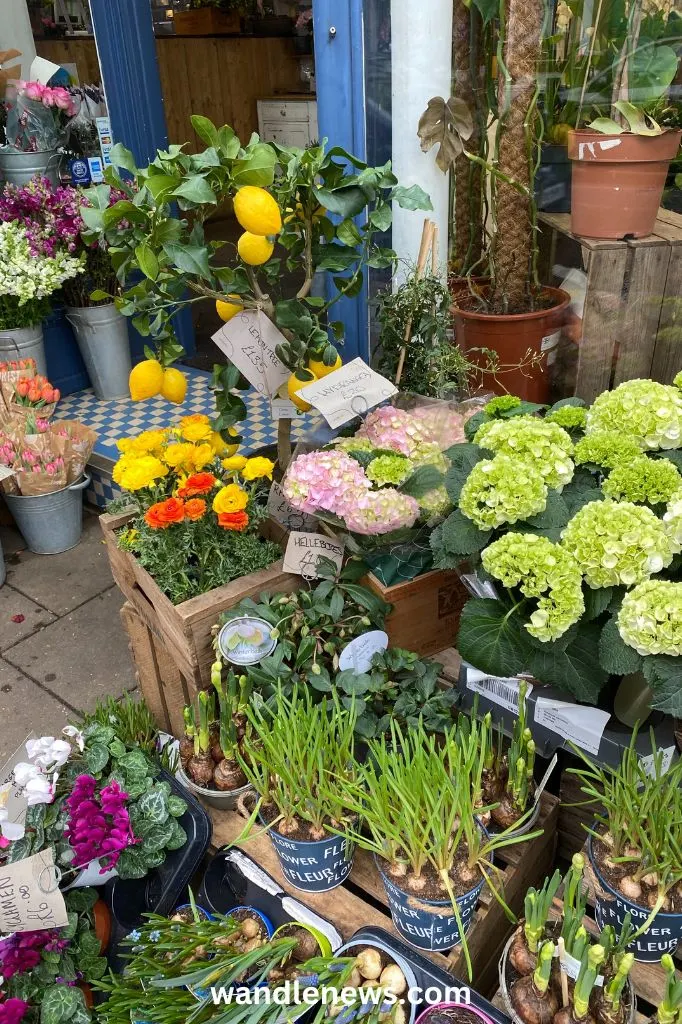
[{"x": 12, "y": 1011}]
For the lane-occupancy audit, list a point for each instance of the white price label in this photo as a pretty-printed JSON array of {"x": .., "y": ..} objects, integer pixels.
[
  {"x": 249, "y": 341},
  {"x": 570, "y": 965},
  {"x": 550, "y": 341},
  {"x": 498, "y": 689},
  {"x": 284, "y": 513},
  {"x": 350, "y": 391},
  {"x": 583, "y": 726},
  {"x": 30, "y": 898},
  {"x": 647, "y": 760},
  {"x": 359, "y": 652}
]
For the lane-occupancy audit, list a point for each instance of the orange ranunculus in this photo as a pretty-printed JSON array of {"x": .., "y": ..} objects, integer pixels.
[
  {"x": 233, "y": 521},
  {"x": 197, "y": 483},
  {"x": 195, "y": 509},
  {"x": 165, "y": 513}
]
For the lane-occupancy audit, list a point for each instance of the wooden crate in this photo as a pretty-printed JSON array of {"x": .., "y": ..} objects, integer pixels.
[
  {"x": 632, "y": 319},
  {"x": 426, "y": 610},
  {"x": 184, "y": 630},
  {"x": 361, "y": 900},
  {"x": 207, "y": 21}
]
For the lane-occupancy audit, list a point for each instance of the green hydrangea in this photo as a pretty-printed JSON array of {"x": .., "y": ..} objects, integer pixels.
[
  {"x": 429, "y": 453},
  {"x": 540, "y": 569},
  {"x": 617, "y": 543},
  {"x": 677, "y": 381},
  {"x": 502, "y": 490},
  {"x": 648, "y": 481},
  {"x": 353, "y": 444},
  {"x": 570, "y": 417},
  {"x": 672, "y": 518},
  {"x": 503, "y": 403},
  {"x": 544, "y": 445},
  {"x": 648, "y": 412},
  {"x": 606, "y": 448},
  {"x": 650, "y": 618},
  {"x": 390, "y": 469}
]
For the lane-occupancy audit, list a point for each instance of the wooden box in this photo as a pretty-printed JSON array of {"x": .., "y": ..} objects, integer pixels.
[
  {"x": 185, "y": 629},
  {"x": 426, "y": 610},
  {"x": 207, "y": 21},
  {"x": 361, "y": 900}
]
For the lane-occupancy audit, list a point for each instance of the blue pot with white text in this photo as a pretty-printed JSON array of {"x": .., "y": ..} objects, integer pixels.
[
  {"x": 313, "y": 865},
  {"x": 663, "y": 934}
]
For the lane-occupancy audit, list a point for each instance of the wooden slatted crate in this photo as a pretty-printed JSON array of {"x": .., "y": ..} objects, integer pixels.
[{"x": 361, "y": 900}]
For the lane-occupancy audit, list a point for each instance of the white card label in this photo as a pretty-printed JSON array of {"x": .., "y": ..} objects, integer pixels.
[
  {"x": 570, "y": 965},
  {"x": 30, "y": 899},
  {"x": 359, "y": 652},
  {"x": 304, "y": 550},
  {"x": 14, "y": 800},
  {"x": 348, "y": 392},
  {"x": 647, "y": 760},
  {"x": 550, "y": 341},
  {"x": 284, "y": 513},
  {"x": 283, "y": 409},
  {"x": 498, "y": 689},
  {"x": 249, "y": 341},
  {"x": 7, "y": 471},
  {"x": 583, "y": 726}
]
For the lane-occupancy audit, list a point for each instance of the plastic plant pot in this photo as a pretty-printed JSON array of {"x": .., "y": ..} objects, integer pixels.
[
  {"x": 410, "y": 977},
  {"x": 200, "y": 993},
  {"x": 464, "y": 1011},
  {"x": 610, "y": 907},
  {"x": 320, "y": 938},
  {"x": 428, "y": 924},
  {"x": 313, "y": 865},
  {"x": 188, "y": 906},
  {"x": 253, "y": 912}
]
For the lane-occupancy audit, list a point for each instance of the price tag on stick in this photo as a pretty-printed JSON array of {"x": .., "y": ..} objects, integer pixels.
[
  {"x": 305, "y": 550},
  {"x": 30, "y": 898},
  {"x": 249, "y": 341}
]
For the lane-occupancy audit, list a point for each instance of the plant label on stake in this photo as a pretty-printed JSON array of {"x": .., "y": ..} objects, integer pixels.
[
  {"x": 647, "y": 760},
  {"x": 348, "y": 392},
  {"x": 502, "y": 690},
  {"x": 359, "y": 652},
  {"x": 249, "y": 341},
  {"x": 283, "y": 512},
  {"x": 545, "y": 778},
  {"x": 283, "y": 409},
  {"x": 304, "y": 551},
  {"x": 30, "y": 898},
  {"x": 584, "y": 726}
]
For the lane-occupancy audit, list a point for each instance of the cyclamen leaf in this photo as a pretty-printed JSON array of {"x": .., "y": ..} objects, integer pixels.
[
  {"x": 96, "y": 758},
  {"x": 178, "y": 837},
  {"x": 176, "y": 806},
  {"x": 59, "y": 1003},
  {"x": 154, "y": 806}
]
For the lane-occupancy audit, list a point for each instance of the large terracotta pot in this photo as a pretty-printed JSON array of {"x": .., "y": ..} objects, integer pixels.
[
  {"x": 618, "y": 181},
  {"x": 512, "y": 337},
  {"x": 102, "y": 923}
]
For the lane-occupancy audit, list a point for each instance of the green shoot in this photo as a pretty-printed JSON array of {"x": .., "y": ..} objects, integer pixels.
[
  {"x": 589, "y": 970},
  {"x": 581, "y": 942},
  {"x": 613, "y": 990},
  {"x": 536, "y": 907},
  {"x": 543, "y": 970},
  {"x": 671, "y": 1004},
  {"x": 203, "y": 736},
  {"x": 575, "y": 903}
]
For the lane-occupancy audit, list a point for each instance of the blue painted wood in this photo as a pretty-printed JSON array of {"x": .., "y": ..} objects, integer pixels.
[
  {"x": 65, "y": 366},
  {"x": 340, "y": 76}
]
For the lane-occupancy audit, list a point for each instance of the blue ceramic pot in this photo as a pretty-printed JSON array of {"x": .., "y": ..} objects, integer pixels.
[
  {"x": 610, "y": 907},
  {"x": 314, "y": 865},
  {"x": 252, "y": 912}
]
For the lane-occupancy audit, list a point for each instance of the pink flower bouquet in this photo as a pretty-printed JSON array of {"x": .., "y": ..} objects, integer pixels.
[{"x": 37, "y": 116}]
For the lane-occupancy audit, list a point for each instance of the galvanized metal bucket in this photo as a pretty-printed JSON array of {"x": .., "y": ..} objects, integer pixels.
[
  {"x": 24, "y": 343},
  {"x": 50, "y": 523},
  {"x": 102, "y": 336},
  {"x": 18, "y": 168}
]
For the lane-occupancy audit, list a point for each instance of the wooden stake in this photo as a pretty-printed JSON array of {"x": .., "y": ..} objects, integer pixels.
[
  {"x": 429, "y": 234},
  {"x": 564, "y": 976}
]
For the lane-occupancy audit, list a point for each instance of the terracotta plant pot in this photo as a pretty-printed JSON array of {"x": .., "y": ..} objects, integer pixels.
[
  {"x": 102, "y": 923},
  {"x": 512, "y": 336},
  {"x": 618, "y": 181}
]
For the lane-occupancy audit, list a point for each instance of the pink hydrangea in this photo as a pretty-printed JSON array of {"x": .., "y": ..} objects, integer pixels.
[
  {"x": 382, "y": 512},
  {"x": 388, "y": 427},
  {"x": 444, "y": 424},
  {"x": 330, "y": 481}
]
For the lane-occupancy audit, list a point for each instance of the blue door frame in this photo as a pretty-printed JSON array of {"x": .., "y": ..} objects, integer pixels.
[{"x": 340, "y": 83}]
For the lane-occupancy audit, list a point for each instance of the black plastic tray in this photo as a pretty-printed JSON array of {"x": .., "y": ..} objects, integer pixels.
[
  {"x": 427, "y": 973},
  {"x": 160, "y": 891}
]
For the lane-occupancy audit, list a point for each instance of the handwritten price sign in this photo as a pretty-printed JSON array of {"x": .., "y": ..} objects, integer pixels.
[{"x": 30, "y": 900}]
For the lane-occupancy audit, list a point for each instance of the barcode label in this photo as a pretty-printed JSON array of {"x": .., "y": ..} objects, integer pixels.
[{"x": 498, "y": 689}]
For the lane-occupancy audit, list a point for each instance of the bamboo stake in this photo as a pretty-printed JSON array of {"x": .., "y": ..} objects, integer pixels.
[
  {"x": 564, "y": 976},
  {"x": 429, "y": 232}
]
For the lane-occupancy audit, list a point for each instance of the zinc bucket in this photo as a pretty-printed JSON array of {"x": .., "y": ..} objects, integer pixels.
[
  {"x": 102, "y": 336},
  {"x": 24, "y": 343},
  {"x": 50, "y": 523},
  {"x": 18, "y": 168}
]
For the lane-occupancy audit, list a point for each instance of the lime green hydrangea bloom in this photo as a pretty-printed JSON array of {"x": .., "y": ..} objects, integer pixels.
[
  {"x": 540, "y": 569},
  {"x": 617, "y": 543},
  {"x": 544, "y": 445},
  {"x": 647, "y": 481},
  {"x": 503, "y": 403},
  {"x": 353, "y": 444},
  {"x": 672, "y": 518},
  {"x": 570, "y": 417},
  {"x": 677, "y": 381},
  {"x": 648, "y": 412},
  {"x": 436, "y": 503},
  {"x": 502, "y": 490},
  {"x": 650, "y": 618},
  {"x": 429, "y": 453},
  {"x": 390, "y": 469},
  {"x": 607, "y": 448}
]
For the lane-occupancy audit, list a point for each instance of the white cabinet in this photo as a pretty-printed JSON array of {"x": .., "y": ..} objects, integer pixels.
[{"x": 288, "y": 121}]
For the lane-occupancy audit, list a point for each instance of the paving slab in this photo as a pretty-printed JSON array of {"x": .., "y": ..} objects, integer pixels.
[
  {"x": 63, "y": 582},
  {"x": 25, "y": 708},
  {"x": 81, "y": 657},
  {"x": 19, "y": 616}
]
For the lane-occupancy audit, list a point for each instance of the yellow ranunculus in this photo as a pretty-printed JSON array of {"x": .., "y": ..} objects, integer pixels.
[
  {"x": 196, "y": 427},
  {"x": 133, "y": 472},
  {"x": 202, "y": 455},
  {"x": 257, "y": 468},
  {"x": 230, "y": 499},
  {"x": 180, "y": 454},
  {"x": 149, "y": 441},
  {"x": 235, "y": 462}
]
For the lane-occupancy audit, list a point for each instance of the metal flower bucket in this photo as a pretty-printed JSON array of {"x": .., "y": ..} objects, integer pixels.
[
  {"x": 18, "y": 168},
  {"x": 50, "y": 523},
  {"x": 24, "y": 343},
  {"x": 102, "y": 336}
]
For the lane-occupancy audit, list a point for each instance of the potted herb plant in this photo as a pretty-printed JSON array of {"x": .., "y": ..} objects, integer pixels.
[{"x": 295, "y": 757}]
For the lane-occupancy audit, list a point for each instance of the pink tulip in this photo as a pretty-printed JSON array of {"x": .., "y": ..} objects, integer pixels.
[
  {"x": 61, "y": 98},
  {"x": 34, "y": 91}
]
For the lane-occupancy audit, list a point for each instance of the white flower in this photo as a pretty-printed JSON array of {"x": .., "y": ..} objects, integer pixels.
[
  {"x": 26, "y": 276},
  {"x": 47, "y": 752},
  {"x": 74, "y": 734},
  {"x": 40, "y": 790},
  {"x": 23, "y": 773},
  {"x": 8, "y": 829}
]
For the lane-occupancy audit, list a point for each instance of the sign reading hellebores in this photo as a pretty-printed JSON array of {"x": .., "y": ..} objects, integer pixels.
[{"x": 304, "y": 551}]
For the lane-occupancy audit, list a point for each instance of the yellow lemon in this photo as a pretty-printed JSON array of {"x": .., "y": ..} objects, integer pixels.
[
  {"x": 295, "y": 384},
  {"x": 320, "y": 369},
  {"x": 231, "y": 448},
  {"x": 226, "y": 310},
  {"x": 174, "y": 387},
  {"x": 255, "y": 249},
  {"x": 145, "y": 380},
  {"x": 257, "y": 211},
  {"x": 559, "y": 134}
]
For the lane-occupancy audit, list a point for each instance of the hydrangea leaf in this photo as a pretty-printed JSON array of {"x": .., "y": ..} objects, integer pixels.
[
  {"x": 491, "y": 639},
  {"x": 664, "y": 675},
  {"x": 554, "y": 516},
  {"x": 423, "y": 480},
  {"x": 596, "y": 601},
  {"x": 460, "y": 536},
  {"x": 576, "y": 669},
  {"x": 472, "y": 425},
  {"x": 463, "y": 458},
  {"x": 615, "y": 656},
  {"x": 573, "y": 400}
]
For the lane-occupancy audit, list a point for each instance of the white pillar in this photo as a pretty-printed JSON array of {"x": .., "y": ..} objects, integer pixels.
[
  {"x": 15, "y": 32},
  {"x": 421, "y": 65}
]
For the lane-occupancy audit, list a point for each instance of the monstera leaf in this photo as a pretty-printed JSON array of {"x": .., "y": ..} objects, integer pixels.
[{"x": 446, "y": 124}]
